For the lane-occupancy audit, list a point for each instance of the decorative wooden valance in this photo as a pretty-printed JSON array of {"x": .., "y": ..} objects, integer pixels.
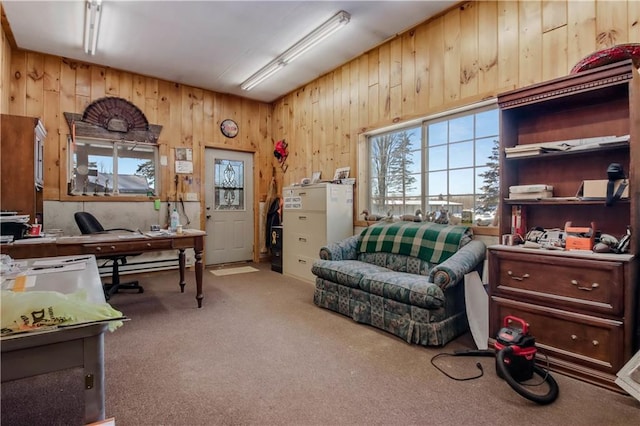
[{"x": 113, "y": 118}]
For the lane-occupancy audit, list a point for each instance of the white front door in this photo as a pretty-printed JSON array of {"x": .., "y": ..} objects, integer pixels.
[{"x": 229, "y": 206}]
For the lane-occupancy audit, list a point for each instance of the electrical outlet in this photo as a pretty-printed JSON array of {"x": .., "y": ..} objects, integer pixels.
[{"x": 191, "y": 196}]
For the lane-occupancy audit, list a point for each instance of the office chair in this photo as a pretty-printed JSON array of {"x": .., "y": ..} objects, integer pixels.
[{"x": 88, "y": 224}]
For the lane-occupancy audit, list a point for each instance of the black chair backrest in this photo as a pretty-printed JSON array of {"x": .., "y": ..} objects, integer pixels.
[{"x": 87, "y": 223}]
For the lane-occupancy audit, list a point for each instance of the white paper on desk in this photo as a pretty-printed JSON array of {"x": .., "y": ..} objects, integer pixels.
[
  {"x": 30, "y": 281},
  {"x": 49, "y": 269},
  {"x": 477, "y": 301}
]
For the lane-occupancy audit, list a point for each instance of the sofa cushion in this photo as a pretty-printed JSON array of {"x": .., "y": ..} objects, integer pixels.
[
  {"x": 411, "y": 289},
  {"x": 428, "y": 241},
  {"x": 345, "y": 272},
  {"x": 397, "y": 262}
]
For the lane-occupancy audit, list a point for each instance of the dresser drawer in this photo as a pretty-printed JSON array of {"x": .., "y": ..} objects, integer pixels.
[
  {"x": 582, "y": 284},
  {"x": 596, "y": 342}
]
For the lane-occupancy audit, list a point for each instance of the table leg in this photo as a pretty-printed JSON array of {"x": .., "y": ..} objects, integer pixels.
[
  {"x": 199, "y": 270},
  {"x": 181, "y": 262},
  {"x": 94, "y": 406}
]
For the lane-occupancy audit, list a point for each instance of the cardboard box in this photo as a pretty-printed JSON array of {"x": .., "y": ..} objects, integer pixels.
[{"x": 597, "y": 189}]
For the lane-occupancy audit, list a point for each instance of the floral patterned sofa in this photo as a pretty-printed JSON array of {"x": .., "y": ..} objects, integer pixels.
[{"x": 404, "y": 278}]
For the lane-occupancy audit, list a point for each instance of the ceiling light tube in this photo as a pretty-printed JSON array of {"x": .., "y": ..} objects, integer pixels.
[
  {"x": 264, "y": 73},
  {"x": 92, "y": 25},
  {"x": 336, "y": 22}
]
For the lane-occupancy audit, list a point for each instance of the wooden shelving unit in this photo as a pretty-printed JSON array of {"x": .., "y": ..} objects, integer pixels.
[{"x": 581, "y": 307}]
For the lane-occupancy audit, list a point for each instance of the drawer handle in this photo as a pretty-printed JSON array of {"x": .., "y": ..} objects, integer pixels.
[
  {"x": 574, "y": 337},
  {"x": 148, "y": 244},
  {"x": 302, "y": 194},
  {"x": 595, "y": 342},
  {"x": 302, "y": 261},
  {"x": 302, "y": 239},
  {"x": 594, "y": 285},
  {"x": 113, "y": 247},
  {"x": 98, "y": 248},
  {"x": 522, "y": 278},
  {"x": 302, "y": 217}
]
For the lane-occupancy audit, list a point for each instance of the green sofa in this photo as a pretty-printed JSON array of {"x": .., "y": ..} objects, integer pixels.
[{"x": 405, "y": 278}]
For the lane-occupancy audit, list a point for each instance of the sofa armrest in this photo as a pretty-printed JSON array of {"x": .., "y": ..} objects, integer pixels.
[
  {"x": 341, "y": 250},
  {"x": 453, "y": 269}
]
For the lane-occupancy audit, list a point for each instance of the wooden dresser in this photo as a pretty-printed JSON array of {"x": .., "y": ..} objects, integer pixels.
[{"x": 580, "y": 307}]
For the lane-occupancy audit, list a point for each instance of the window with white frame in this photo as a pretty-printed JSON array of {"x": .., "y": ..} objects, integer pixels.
[
  {"x": 445, "y": 168},
  {"x": 103, "y": 167}
]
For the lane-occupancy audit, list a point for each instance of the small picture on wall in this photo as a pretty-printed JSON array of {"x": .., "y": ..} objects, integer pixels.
[{"x": 341, "y": 173}]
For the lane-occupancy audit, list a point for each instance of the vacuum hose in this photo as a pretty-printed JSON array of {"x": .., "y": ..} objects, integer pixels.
[{"x": 520, "y": 389}]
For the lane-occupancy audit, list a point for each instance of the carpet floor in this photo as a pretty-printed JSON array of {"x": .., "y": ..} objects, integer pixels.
[{"x": 259, "y": 352}]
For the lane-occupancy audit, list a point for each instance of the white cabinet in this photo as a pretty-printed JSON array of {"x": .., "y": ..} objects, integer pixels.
[{"x": 313, "y": 216}]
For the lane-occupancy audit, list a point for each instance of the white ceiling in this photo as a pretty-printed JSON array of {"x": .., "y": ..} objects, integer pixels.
[{"x": 214, "y": 45}]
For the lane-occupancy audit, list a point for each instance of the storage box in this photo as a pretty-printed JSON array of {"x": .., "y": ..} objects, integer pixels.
[
  {"x": 579, "y": 237},
  {"x": 597, "y": 189},
  {"x": 535, "y": 188}
]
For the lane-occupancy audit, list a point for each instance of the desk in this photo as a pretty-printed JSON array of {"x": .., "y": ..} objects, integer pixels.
[
  {"x": 114, "y": 243},
  {"x": 40, "y": 352}
]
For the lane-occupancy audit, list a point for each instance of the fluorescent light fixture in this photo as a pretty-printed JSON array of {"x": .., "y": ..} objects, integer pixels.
[
  {"x": 92, "y": 15},
  {"x": 338, "y": 21}
]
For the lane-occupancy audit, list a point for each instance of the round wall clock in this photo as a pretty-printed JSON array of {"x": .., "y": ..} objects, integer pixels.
[{"x": 229, "y": 128}]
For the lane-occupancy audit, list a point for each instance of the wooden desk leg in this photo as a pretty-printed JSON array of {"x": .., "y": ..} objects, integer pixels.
[
  {"x": 199, "y": 270},
  {"x": 94, "y": 407},
  {"x": 181, "y": 262}
]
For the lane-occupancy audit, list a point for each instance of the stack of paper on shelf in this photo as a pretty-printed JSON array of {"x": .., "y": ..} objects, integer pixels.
[{"x": 530, "y": 192}]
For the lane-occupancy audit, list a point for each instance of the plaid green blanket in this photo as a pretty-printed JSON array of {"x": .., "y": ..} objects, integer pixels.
[{"x": 428, "y": 241}]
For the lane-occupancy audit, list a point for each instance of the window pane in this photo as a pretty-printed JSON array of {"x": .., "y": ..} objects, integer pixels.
[
  {"x": 484, "y": 151},
  {"x": 437, "y": 184},
  {"x": 437, "y": 133},
  {"x": 229, "y": 184},
  {"x": 438, "y": 158},
  {"x": 136, "y": 169},
  {"x": 487, "y": 123},
  {"x": 461, "y": 181},
  {"x": 92, "y": 163},
  {"x": 461, "y": 128},
  {"x": 461, "y": 154}
]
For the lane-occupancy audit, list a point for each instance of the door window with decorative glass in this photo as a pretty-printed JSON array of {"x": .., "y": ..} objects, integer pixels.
[{"x": 229, "y": 184}]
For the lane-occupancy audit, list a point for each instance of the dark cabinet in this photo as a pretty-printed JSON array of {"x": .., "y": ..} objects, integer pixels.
[
  {"x": 22, "y": 165},
  {"x": 276, "y": 248}
]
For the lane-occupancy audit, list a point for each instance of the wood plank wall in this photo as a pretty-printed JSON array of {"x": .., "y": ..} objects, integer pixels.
[{"x": 472, "y": 52}]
